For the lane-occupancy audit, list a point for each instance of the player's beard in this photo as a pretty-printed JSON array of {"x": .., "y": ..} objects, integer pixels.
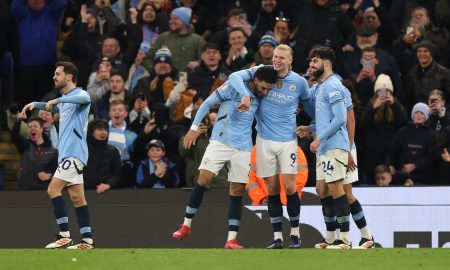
[
  {"x": 59, "y": 87},
  {"x": 318, "y": 72}
]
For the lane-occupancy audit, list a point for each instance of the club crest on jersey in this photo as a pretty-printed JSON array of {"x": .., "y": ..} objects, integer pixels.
[
  {"x": 292, "y": 87},
  {"x": 279, "y": 84}
]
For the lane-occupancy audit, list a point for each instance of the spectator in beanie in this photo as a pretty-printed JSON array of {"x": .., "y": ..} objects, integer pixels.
[{"x": 266, "y": 45}]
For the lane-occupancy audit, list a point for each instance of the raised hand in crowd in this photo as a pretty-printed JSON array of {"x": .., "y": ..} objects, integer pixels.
[
  {"x": 133, "y": 15},
  {"x": 102, "y": 188}
]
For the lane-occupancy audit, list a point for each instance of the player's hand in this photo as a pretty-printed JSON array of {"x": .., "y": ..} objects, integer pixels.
[
  {"x": 43, "y": 176},
  {"x": 50, "y": 104},
  {"x": 190, "y": 138},
  {"x": 102, "y": 188},
  {"x": 314, "y": 145},
  {"x": 351, "y": 165},
  {"x": 28, "y": 107},
  {"x": 303, "y": 131},
  {"x": 245, "y": 104}
]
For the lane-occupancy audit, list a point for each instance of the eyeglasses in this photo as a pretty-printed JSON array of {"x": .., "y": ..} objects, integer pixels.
[{"x": 281, "y": 19}]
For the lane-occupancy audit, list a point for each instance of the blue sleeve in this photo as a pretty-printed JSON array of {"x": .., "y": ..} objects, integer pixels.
[
  {"x": 81, "y": 99},
  {"x": 339, "y": 119},
  {"x": 304, "y": 93},
  {"x": 204, "y": 108},
  {"x": 237, "y": 79},
  {"x": 41, "y": 106},
  {"x": 312, "y": 127}
]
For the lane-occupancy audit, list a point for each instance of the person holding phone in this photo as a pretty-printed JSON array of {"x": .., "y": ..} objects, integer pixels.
[
  {"x": 439, "y": 115},
  {"x": 366, "y": 77},
  {"x": 381, "y": 118}
]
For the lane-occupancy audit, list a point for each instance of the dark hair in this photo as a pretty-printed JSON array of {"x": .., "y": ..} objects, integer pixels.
[
  {"x": 369, "y": 49},
  {"x": 97, "y": 124},
  {"x": 266, "y": 74},
  {"x": 37, "y": 119},
  {"x": 382, "y": 169},
  {"x": 69, "y": 68},
  {"x": 210, "y": 45},
  {"x": 234, "y": 12},
  {"x": 324, "y": 53},
  {"x": 235, "y": 29},
  {"x": 116, "y": 72}
]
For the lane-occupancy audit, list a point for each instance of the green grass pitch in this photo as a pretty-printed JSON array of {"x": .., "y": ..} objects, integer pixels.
[{"x": 186, "y": 259}]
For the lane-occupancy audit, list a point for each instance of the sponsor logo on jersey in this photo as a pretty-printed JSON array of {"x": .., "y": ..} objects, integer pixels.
[{"x": 334, "y": 93}]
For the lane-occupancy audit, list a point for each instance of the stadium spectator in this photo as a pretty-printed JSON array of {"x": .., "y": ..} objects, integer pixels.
[
  {"x": 98, "y": 83},
  {"x": 193, "y": 156},
  {"x": 37, "y": 24},
  {"x": 184, "y": 44},
  {"x": 365, "y": 79},
  {"x": 122, "y": 138},
  {"x": 83, "y": 44},
  {"x": 202, "y": 19},
  {"x": 379, "y": 17},
  {"x": 284, "y": 31},
  {"x": 439, "y": 115},
  {"x": 439, "y": 36},
  {"x": 367, "y": 36},
  {"x": 322, "y": 22},
  {"x": 140, "y": 113},
  {"x": 427, "y": 74},
  {"x": 157, "y": 171},
  {"x": 236, "y": 17},
  {"x": 410, "y": 153},
  {"x": 137, "y": 70},
  {"x": 256, "y": 187},
  {"x": 160, "y": 83},
  {"x": 38, "y": 158},
  {"x": 266, "y": 45},
  {"x": 442, "y": 155},
  {"x": 117, "y": 91},
  {"x": 103, "y": 170},
  {"x": 153, "y": 23},
  {"x": 380, "y": 120},
  {"x": 50, "y": 127},
  {"x": 238, "y": 55},
  {"x": 383, "y": 177},
  {"x": 210, "y": 74}
]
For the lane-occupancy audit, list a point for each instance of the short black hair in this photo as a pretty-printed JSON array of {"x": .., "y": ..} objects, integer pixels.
[
  {"x": 116, "y": 72},
  {"x": 266, "y": 74},
  {"x": 324, "y": 53},
  {"x": 69, "y": 68},
  {"x": 210, "y": 45}
]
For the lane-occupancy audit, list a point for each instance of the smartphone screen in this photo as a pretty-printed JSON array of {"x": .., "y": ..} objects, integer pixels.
[
  {"x": 409, "y": 30},
  {"x": 382, "y": 92}
]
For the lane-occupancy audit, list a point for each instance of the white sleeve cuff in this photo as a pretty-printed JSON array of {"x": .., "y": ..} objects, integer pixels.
[{"x": 194, "y": 127}]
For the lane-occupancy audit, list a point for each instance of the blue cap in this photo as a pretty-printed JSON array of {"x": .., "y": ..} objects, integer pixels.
[
  {"x": 184, "y": 14},
  {"x": 268, "y": 38}
]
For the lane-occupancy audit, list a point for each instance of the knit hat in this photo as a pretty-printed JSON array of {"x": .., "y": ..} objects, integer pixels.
[
  {"x": 268, "y": 38},
  {"x": 163, "y": 55},
  {"x": 383, "y": 81},
  {"x": 183, "y": 13},
  {"x": 420, "y": 107},
  {"x": 428, "y": 45}
]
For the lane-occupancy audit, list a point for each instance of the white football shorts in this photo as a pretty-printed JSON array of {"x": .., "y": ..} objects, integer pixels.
[
  {"x": 274, "y": 157},
  {"x": 70, "y": 170}
]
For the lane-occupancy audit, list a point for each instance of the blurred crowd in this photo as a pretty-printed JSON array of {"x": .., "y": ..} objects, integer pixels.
[{"x": 149, "y": 64}]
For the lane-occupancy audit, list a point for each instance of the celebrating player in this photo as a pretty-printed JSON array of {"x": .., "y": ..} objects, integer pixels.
[
  {"x": 276, "y": 143},
  {"x": 73, "y": 108},
  {"x": 230, "y": 145}
]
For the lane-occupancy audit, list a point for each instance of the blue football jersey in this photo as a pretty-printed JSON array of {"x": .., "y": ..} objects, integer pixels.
[{"x": 233, "y": 127}]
